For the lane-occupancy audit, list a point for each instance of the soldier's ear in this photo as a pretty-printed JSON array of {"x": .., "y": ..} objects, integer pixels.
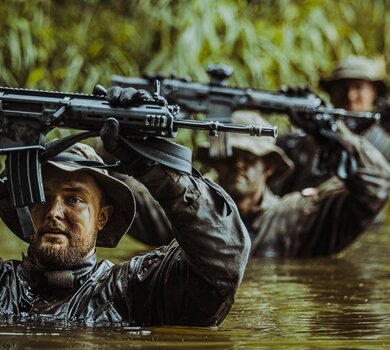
[
  {"x": 104, "y": 215},
  {"x": 269, "y": 170}
]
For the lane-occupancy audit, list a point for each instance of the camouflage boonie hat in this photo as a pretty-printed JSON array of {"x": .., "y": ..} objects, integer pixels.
[
  {"x": 119, "y": 195},
  {"x": 358, "y": 67},
  {"x": 263, "y": 147}
]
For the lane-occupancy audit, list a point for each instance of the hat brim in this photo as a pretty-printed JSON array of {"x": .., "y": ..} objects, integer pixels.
[
  {"x": 271, "y": 153},
  {"x": 118, "y": 194},
  {"x": 327, "y": 85}
]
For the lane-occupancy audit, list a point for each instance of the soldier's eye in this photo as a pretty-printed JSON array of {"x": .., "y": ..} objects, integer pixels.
[{"x": 75, "y": 200}]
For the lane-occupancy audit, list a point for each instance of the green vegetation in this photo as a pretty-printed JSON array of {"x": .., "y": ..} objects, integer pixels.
[{"x": 72, "y": 45}]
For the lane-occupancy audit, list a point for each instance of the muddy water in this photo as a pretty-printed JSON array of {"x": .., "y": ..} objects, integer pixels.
[{"x": 340, "y": 302}]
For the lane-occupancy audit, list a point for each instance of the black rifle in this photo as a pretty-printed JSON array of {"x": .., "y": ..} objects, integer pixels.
[
  {"x": 219, "y": 101},
  {"x": 26, "y": 116}
]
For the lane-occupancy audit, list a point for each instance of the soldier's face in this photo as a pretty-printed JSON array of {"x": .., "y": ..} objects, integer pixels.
[
  {"x": 67, "y": 224},
  {"x": 355, "y": 95},
  {"x": 244, "y": 175}
]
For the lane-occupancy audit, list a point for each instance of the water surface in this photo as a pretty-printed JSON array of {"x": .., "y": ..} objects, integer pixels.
[{"x": 340, "y": 302}]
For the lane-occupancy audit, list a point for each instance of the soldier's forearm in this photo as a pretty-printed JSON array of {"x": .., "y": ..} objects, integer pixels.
[
  {"x": 206, "y": 224},
  {"x": 371, "y": 183}
]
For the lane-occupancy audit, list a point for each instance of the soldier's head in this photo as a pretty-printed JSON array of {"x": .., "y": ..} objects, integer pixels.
[
  {"x": 84, "y": 207},
  {"x": 255, "y": 161},
  {"x": 356, "y": 83}
]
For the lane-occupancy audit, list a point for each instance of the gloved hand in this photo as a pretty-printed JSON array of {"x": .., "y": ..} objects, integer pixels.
[
  {"x": 322, "y": 128},
  {"x": 122, "y": 97},
  {"x": 139, "y": 154},
  {"x": 132, "y": 162},
  {"x": 120, "y": 147},
  {"x": 126, "y": 97},
  {"x": 334, "y": 157}
]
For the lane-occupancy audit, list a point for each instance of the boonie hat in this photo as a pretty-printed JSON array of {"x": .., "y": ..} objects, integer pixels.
[
  {"x": 82, "y": 158},
  {"x": 264, "y": 147},
  {"x": 358, "y": 67}
]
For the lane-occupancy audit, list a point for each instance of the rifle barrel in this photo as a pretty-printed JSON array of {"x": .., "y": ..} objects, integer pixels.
[{"x": 214, "y": 126}]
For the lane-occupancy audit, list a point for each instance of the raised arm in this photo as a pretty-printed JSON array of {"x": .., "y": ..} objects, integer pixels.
[
  {"x": 325, "y": 220},
  {"x": 192, "y": 281}
]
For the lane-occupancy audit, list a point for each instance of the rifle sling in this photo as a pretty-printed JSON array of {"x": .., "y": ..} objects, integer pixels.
[
  {"x": 155, "y": 149},
  {"x": 55, "y": 147},
  {"x": 164, "y": 152},
  {"x": 25, "y": 221}
]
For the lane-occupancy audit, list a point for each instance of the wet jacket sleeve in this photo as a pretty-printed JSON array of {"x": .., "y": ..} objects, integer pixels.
[
  {"x": 150, "y": 226},
  {"x": 380, "y": 138},
  {"x": 192, "y": 281},
  {"x": 325, "y": 220}
]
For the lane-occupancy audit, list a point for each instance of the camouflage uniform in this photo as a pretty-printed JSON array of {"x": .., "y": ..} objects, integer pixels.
[
  {"x": 316, "y": 221},
  {"x": 192, "y": 281}
]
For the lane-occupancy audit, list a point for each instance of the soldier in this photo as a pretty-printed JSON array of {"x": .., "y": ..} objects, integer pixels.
[
  {"x": 314, "y": 222},
  {"x": 191, "y": 282},
  {"x": 357, "y": 84}
]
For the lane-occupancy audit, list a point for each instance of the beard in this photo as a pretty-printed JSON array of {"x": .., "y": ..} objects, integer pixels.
[{"x": 66, "y": 254}]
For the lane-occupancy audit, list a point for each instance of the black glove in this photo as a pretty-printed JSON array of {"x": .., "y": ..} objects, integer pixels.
[
  {"x": 119, "y": 146},
  {"x": 322, "y": 129},
  {"x": 333, "y": 157},
  {"x": 138, "y": 154},
  {"x": 132, "y": 163},
  {"x": 126, "y": 97}
]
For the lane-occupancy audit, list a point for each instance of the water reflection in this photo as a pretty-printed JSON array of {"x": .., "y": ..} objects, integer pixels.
[
  {"x": 326, "y": 298},
  {"x": 339, "y": 302},
  {"x": 344, "y": 297}
]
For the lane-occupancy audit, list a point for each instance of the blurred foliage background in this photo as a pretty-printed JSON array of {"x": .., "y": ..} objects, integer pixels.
[{"x": 72, "y": 45}]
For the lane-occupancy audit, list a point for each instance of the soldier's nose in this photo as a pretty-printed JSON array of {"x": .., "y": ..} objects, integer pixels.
[
  {"x": 55, "y": 210},
  {"x": 239, "y": 164},
  {"x": 352, "y": 94}
]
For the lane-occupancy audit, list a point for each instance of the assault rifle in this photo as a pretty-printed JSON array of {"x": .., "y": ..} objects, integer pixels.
[
  {"x": 26, "y": 116},
  {"x": 218, "y": 101}
]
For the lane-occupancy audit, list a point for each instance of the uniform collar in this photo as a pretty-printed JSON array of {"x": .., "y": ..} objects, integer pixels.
[
  {"x": 43, "y": 277},
  {"x": 268, "y": 201}
]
